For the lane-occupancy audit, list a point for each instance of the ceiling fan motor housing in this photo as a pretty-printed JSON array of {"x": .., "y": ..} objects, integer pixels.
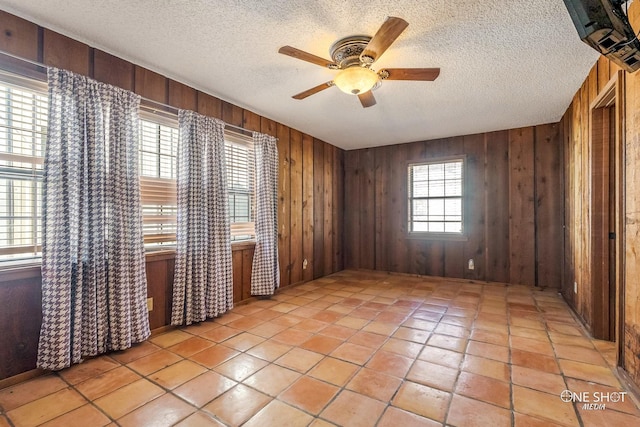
[{"x": 346, "y": 52}]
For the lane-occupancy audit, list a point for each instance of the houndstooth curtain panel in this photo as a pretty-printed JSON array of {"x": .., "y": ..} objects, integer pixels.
[
  {"x": 265, "y": 275},
  {"x": 203, "y": 281},
  {"x": 93, "y": 270}
]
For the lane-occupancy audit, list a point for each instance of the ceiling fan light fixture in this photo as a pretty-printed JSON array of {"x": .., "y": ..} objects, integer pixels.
[{"x": 356, "y": 80}]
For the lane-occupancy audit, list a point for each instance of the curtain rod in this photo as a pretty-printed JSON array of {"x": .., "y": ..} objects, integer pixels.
[{"x": 162, "y": 105}]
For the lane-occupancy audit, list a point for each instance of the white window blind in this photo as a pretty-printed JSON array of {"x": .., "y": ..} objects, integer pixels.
[
  {"x": 158, "y": 163},
  {"x": 435, "y": 197},
  {"x": 240, "y": 185},
  {"x": 23, "y": 128}
]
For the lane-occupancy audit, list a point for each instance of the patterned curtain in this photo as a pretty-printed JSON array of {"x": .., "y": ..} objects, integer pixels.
[
  {"x": 93, "y": 267},
  {"x": 265, "y": 276},
  {"x": 203, "y": 281}
]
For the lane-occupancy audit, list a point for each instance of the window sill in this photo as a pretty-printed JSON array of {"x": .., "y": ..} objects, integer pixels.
[{"x": 445, "y": 237}]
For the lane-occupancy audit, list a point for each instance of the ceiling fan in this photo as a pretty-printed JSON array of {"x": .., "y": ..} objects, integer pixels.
[{"x": 354, "y": 56}]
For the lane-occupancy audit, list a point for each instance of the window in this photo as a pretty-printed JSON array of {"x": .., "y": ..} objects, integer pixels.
[
  {"x": 240, "y": 185},
  {"x": 23, "y": 128},
  {"x": 158, "y": 171},
  {"x": 158, "y": 166},
  {"x": 435, "y": 198}
]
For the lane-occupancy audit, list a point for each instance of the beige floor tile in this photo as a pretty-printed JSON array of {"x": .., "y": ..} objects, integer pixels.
[
  {"x": 128, "y": 398},
  {"x": 204, "y": 388},
  {"x": 368, "y": 339},
  {"x": 154, "y": 362},
  {"x": 441, "y": 356},
  {"x": 88, "y": 369},
  {"x": 237, "y": 405},
  {"x": 422, "y": 400},
  {"x": 374, "y": 384},
  {"x": 220, "y": 334},
  {"x": 474, "y": 413},
  {"x": 522, "y": 420},
  {"x": 487, "y": 367},
  {"x": 436, "y": 376},
  {"x": 299, "y": 360},
  {"x": 321, "y": 344},
  {"x": 538, "y": 380},
  {"x": 579, "y": 354},
  {"x": 353, "y": 410},
  {"x": 243, "y": 341},
  {"x": 107, "y": 382},
  {"x": 534, "y": 361},
  {"x": 213, "y": 356},
  {"x": 490, "y": 351},
  {"x": 191, "y": 346},
  {"x": 272, "y": 379},
  {"x": 309, "y": 394},
  {"x": 484, "y": 388},
  {"x": 588, "y": 372},
  {"x": 46, "y": 408},
  {"x": 353, "y": 353},
  {"x": 543, "y": 405},
  {"x": 279, "y": 414},
  {"x": 177, "y": 374},
  {"x": 240, "y": 367},
  {"x": 448, "y": 342},
  {"x": 394, "y": 417},
  {"x": 292, "y": 337},
  {"x": 269, "y": 350},
  {"x": 200, "y": 419},
  {"x": 23, "y": 393},
  {"x": 135, "y": 352},
  {"x": 169, "y": 339},
  {"x": 390, "y": 363},
  {"x": 163, "y": 411},
  {"x": 334, "y": 371},
  {"x": 87, "y": 415}
]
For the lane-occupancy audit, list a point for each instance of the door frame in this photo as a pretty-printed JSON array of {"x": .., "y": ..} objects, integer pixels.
[{"x": 612, "y": 95}]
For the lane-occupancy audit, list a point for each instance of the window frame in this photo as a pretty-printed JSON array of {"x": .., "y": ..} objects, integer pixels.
[
  {"x": 38, "y": 87},
  {"x": 433, "y": 235}
]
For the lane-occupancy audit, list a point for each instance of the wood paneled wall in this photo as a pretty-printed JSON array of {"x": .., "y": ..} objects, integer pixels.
[
  {"x": 512, "y": 208},
  {"x": 310, "y": 190},
  {"x": 581, "y": 219}
]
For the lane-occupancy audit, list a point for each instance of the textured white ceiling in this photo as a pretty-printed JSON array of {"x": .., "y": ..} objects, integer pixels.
[{"x": 505, "y": 63}]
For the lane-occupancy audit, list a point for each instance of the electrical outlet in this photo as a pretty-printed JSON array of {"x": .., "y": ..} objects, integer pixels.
[
  {"x": 304, "y": 264},
  {"x": 471, "y": 265},
  {"x": 575, "y": 287},
  {"x": 149, "y": 304}
]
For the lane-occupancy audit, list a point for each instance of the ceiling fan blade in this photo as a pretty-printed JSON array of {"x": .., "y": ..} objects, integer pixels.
[
  {"x": 423, "y": 74},
  {"x": 316, "y": 89},
  {"x": 306, "y": 56},
  {"x": 386, "y": 35},
  {"x": 367, "y": 99}
]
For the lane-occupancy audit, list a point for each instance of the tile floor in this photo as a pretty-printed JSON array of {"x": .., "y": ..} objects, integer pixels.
[{"x": 353, "y": 349}]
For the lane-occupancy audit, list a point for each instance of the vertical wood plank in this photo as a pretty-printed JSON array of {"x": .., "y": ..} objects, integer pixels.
[
  {"x": 284, "y": 203},
  {"x": 549, "y": 202},
  {"x": 328, "y": 209},
  {"x": 237, "y": 275},
  {"x": 496, "y": 202},
  {"x": 63, "y": 52},
  {"x": 338, "y": 209},
  {"x": 474, "y": 206},
  {"x": 521, "y": 206},
  {"x": 318, "y": 208},
  {"x": 454, "y": 262},
  {"x": 210, "y": 106},
  {"x": 151, "y": 85},
  {"x": 250, "y": 121},
  {"x": 382, "y": 172},
  {"x": 603, "y": 72},
  {"x": 182, "y": 96},
  {"x": 18, "y": 36},
  {"x": 268, "y": 127},
  {"x": 247, "y": 264},
  {"x": 352, "y": 209},
  {"x": 296, "y": 164},
  {"x": 113, "y": 70},
  {"x": 307, "y": 206},
  {"x": 367, "y": 209},
  {"x": 232, "y": 114}
]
